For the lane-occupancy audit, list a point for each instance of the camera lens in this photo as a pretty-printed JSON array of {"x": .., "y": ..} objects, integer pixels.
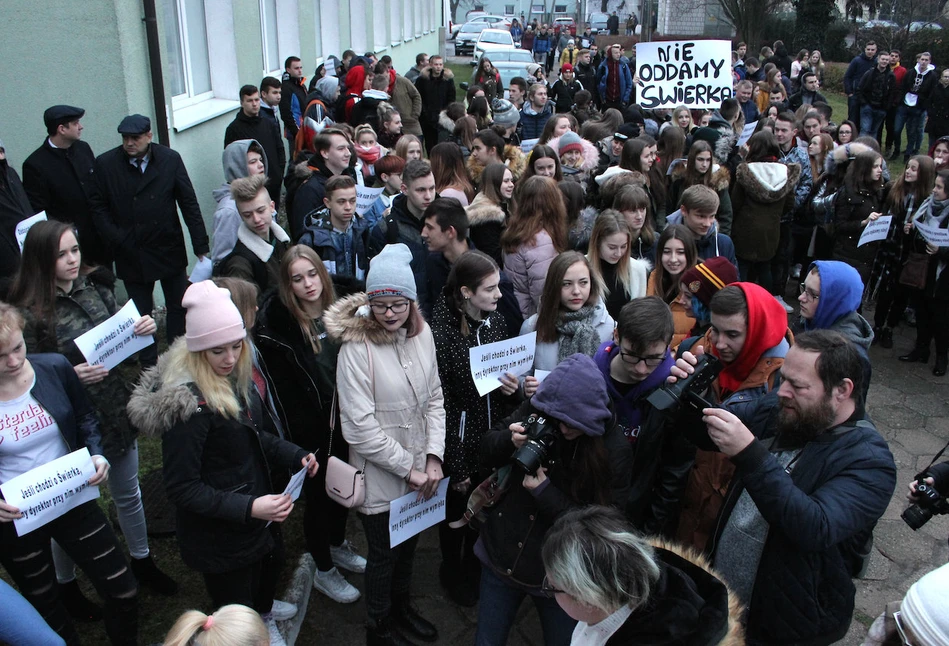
[
  {"x": 530, "y": 456},
  {"x": 915, "y": 516}
]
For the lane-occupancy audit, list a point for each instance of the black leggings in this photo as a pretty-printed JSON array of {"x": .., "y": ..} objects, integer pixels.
[
  {"x": 388, "y": 569},
  {"x": 457, "y": 545},
  {"x": 253, "y": 585},
  {"x": 324, "y": 521},
  {"x": 87, "y": 537}
]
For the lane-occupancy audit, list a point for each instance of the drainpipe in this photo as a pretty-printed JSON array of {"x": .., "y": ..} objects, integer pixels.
[{"x": 154, "y": 65}]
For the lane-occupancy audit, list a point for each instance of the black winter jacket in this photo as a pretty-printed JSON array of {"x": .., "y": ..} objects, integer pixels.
[
  {"x": 307, "y": 197},
  {"x": 437, "y": 93},
  {"x": 59, "y": 391},
  {"x": 401, "y": 226},
  {"x": 14, "y": 208},
  {"x": 137, "y": 213},
  {"x": 925, "y": 90}
]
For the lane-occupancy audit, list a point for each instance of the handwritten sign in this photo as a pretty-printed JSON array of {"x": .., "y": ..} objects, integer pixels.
[
  {"x": 696, "y": 74},
  {"x": 746, "y": 133},
  {"x": 409, "y": 516},
  {"x": 366, "y": 197},
  {"x": 876, "y": 230},
  {"x": 23, "y": 227},
  {"x": 933, "y": 234},
  {"x": 113, "y": 341},
  {"x": 490, "y": 361},
  {"x": 49, "y": 491}
]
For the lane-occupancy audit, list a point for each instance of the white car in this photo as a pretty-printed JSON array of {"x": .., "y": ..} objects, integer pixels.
[
  {"x": 491, "y": 21},
  {"x": 920, "y": 25},
  {"x": 493, "y": 40}
]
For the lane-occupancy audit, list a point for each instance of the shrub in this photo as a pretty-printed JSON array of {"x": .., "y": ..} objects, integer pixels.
[{"x": 834, "y": 76}]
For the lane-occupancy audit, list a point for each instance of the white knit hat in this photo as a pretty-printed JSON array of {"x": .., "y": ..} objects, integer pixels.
[{"x": 925, "y": 608}]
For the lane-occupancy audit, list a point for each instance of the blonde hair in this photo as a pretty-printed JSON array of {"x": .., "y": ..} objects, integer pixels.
[
  {"x": 11, "y": 322},
  {"x": 608, "y": 223},
  {"x": 246, "y": 189},
  {"x": 226, "y": 395},
  {"x": 232, "y": 625}
]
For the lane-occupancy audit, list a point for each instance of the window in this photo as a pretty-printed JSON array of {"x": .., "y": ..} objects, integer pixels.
[
  {"x": 329, "y": 27},
  {"x": 357, "y": 26},
  {"x": 560, "y": 8},
  {"x": 318, "y": 29},
  {"x": 187, "y": 61},
  {"x": 268, "y": 36},
  {"x": 380, "y": 32},
  {"x": 395, "y": 22},
  {"x": 508, "y": 10},
  {"x": 419, "y": 17},
  {"x": 407, "y": 24},
  {"x": 279, "y": 33}
]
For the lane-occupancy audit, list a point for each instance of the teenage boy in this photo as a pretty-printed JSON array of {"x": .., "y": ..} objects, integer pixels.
[
  {"x": 389, "y": 179},
  {"x": 875, "y": 88},
  {"x": 332, "y": 156},
  {"x": 249, "y": 123},
  {"x": 339, "y": 236},
  {"x": 536, "y": 112},
  {"x": 699, "y": 206},
  {"x": 270, "y": 93}
]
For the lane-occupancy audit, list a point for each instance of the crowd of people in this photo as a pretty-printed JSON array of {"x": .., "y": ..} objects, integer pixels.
[{"x": 646, "y": 249}]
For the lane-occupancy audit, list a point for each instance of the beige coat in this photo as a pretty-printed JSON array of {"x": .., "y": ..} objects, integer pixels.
[{"x": 390, "y": 400}]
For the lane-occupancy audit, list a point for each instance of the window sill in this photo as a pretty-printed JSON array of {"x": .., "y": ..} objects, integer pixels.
[{"x": 184, "y": 118}]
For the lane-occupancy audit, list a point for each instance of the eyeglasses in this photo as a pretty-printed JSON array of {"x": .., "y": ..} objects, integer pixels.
[
  {"x": 633, "y": 359},
  {"x": 811, "y": 294},
  {"x": 898, "y": 618},
  {"x": 548, "y": 590},
  {"x": 382, "y": 308}
]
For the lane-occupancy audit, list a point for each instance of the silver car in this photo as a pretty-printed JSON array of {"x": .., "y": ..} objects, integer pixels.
[{"x": 510, "y": 63}]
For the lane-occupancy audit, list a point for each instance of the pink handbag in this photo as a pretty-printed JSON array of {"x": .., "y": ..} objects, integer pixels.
[{"x": 345, "y": 484}]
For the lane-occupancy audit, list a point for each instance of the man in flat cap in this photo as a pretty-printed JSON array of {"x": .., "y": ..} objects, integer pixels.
[
  {"x": 139, "y": 187},
  {"x": 57, "y": 177}
]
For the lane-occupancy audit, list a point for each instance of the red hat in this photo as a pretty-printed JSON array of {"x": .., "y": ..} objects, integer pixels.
[
  {"x": 708, "y": 277},
  {"x": 566, "y": 67}
]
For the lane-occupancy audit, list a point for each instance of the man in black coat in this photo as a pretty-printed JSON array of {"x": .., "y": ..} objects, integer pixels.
[
  {"x": 139, "y": 187},
  {"x": 14, "y": 208},
  {"x": 249, "y": 123},
  {"x": 808, "y": 94},
  {"x": 58, "y": 178},
  {"x": 612, "y": 24},
  {"x": 436, "y": 84},
  {"x": 292, "y": 98}
]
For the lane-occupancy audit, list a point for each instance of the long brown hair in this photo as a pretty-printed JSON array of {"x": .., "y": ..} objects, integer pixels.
[
  {"x": 608, "y": 223},
  {"x": 633, "y": 198},
  {"x": 692, "y": 176},
  {"x": 859, "y": 173},
  {"x": 670, "y": 147},
  {"x": 491, "y": 179},
  {"x": 602, "y": 126},
  {"x": 34, "y": 286},
  {"x": 290, "y": 300},
  {"x": 470, "y": 270},
  {"x": 548, "y": 315},
  {"x": 548, "y": 132},
  {"x": 543, "y": 151},
  {"x": 925, "y": 180},
  {"x": 448, "y": 167},
  {"x": 826, "y": 146},
  {"x": 665, "y": 286},
  {"x": 538, "y": 207}
]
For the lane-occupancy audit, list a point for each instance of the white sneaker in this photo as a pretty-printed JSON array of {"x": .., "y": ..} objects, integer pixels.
[
  {"x": 334, "y": 586},
  {"x": 787, "y": 308},
  {"x": 345, "y": 557},
  {"x": 283, "y": 610},
  {"x": 276, "y": 639},
  {"x": 796, "y": 271}
]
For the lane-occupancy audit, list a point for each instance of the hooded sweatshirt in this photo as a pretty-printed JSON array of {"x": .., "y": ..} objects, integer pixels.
[
  {"x": 631, "y": 404},
  {"x": 711, "y": 244},
  {"x": 226, "y": 218}
]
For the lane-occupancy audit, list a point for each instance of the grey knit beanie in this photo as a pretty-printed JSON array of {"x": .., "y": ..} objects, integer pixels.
[
  {"x": 505, "y": 114},
  {"x": 390, "y": 273}
]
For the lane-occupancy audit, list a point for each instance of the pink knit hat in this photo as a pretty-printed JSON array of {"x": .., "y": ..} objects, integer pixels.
[{"x": 212, "y": 319}]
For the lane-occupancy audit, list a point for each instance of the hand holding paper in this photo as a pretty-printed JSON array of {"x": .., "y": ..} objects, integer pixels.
[{"x": 876, "y": 229}]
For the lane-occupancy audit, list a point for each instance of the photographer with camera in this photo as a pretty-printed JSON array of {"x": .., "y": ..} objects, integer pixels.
[
  {"x": 812, "y": 478},
  {"x": 928, "y": 494},
  {"x": 560, "y": 450}
]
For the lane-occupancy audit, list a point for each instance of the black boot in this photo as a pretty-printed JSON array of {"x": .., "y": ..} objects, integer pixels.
[
  {"x": 148, "y": 574},
  {"x": 457, "y": 585},
  {"x": 77, "y": 605},
  {"x": 942, "y": 362},
  {"x": 407, "y": 619},
  {"x": 916, "y": 355},
  {"x": 876, "y": 335},
  {"x": 381, "y": 632},
  {"x": 886, "y": 338}
]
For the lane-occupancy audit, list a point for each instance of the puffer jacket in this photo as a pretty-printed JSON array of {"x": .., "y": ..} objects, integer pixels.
[
  {"x": 390, "y": 399},
  {"x": 214, "y": 466},
  {"x": 527, "y": 267},
  {"x": 763, "y": 193},
  {"x": 850, "y": 209},
  {"x": 485, "y": 223},
  {"x": 532, "y": 122}
]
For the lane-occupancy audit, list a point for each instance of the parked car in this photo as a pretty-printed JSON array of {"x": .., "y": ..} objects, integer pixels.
[
  {"x": 880, "y": 24},
  {"x": 492, "y": 40},
  {"x": 509, "y": 63},
  {"x": 920, "y": 25},
  {"x": 467, "y": 37},
  {"x": 565, "y": 22},
  {"x": 597, "y": 21},
  {"x": 497, "y": 22}
]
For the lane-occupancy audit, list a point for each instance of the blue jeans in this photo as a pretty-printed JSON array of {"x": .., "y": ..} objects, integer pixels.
[
  {"x": 21, "y": 624},
  {"x": 914, "y": 119},
  {"x": 870, "y": 120},
  {"x": 498, "y": 609}
]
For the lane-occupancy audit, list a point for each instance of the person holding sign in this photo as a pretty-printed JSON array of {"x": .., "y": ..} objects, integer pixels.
[
  {"x": 393, "y": 416},
  {"x": 47, "y": 415},
  {"x": 215, "y": 461},
  {"x": 60, "y": 304},
  {"x": 859, "y": 202},
  {"x": 932, "y": 302}
]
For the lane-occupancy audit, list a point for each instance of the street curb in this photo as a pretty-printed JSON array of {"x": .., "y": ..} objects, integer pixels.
[{"x": 298, "y": 592}]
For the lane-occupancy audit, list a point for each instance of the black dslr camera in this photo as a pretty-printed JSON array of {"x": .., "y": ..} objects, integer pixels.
[
  {"x": 930, "y": 503},
  {"x": 542, "y": 432},
  {"x": 690, "y": 389}
]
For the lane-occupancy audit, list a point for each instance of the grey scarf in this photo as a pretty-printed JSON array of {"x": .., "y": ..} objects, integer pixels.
[{"x": 577, "y": 333}]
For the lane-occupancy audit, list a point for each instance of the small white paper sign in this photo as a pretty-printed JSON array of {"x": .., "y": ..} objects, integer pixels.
[
  {"x": 23, "y": 227},
  {"x": 294, "y": 487},
  {"x": 876, "y": 230},
  {"x": 527, "y": 146},
  {"x": 933, "y": 234},
  {"x": 540, "y": 375},
  {"x": 113, "y": 341},
  {"x": 746, "y": 133},
  {"x": 409, "y": 516},
  {"x": 366, "y": 197},
  {"x": 49, "y": 491},
  {"x": 490, "y": 361},
  {"x": 202, "y": 270}
]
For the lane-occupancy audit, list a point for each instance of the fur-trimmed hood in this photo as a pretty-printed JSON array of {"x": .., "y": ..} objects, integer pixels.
[
  {"x": 613, "y": 171},
  {"x": 447, "y": 74},
  {"x": 445, "y": 122},
  {"x": 165, "y": 394},
  {"x": 513, "y": 159},
  {"x": 484, "y": 211},
  {"x": 768, "y": 182},
  {"x": 591, "y": 154},
  {"x": 350, "y": 320},
  {"x": 721, "y": 178}
]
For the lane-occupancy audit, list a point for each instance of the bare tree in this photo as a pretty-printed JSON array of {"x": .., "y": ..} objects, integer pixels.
[{"x": 748, "y": 17}]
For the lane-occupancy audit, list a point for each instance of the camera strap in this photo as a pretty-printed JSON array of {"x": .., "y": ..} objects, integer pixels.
[
  {"x": 485, "y": 495},
  {"x": 933, "y": 461}
]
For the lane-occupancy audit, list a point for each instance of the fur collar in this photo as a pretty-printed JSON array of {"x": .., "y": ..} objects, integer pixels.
[
  {"x": 591, "y": 154},
  {"x": 484, "y": 211},
  {"x": 768, "y": 181},
  {"x": 721, "y": 178},
  {"x": 257, "y": 245},
  {"x": 165, "y": 395},
  {"x": 350, "y": 320},
  {"x": 513, "y": 159},
  {"x": 447, "y": 74},
  {"x": 445, "y": 122}
]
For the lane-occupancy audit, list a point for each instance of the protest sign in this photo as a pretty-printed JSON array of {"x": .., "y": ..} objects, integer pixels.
[
  {"x": 112, "y": 341},
  {"x": 693, "y": 73},
  {"x": 409, "y": 516},
  {"x": 23, "y": 227},
  {"x": 746, "y": 133},
  {"x": 49, "y": 491},
  {"x": 933, "y": 234},
  {"x": 527, "y": 146},
  {"x": 540, "y": 375},
  {"x": 491, "y": 360},
  {"x": 366, "y": 197},
  {"x": 876, "y": 230}
]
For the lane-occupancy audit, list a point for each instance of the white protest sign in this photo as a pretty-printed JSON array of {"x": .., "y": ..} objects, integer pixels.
[
  {"x": 540, "y": 375},
  {"x": 933, "y": 234},
  {"x": 876, "y": 230},
  {"x": 112, "y": 341},
  {"x": 746, "y": 133},
  {"x": 23, "y": 227},
  {"x": 490, "y": 361},
  {"x": 527, "y": 146},
  {"x": 49, "y": 491},
  {"x": 366, "y": 197},
  {"x": 409, "y": 516},
  {"x": 693, "y": 73},
  {"x": 202, "y": 270},
  {"x": 294, "y": 487}
]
